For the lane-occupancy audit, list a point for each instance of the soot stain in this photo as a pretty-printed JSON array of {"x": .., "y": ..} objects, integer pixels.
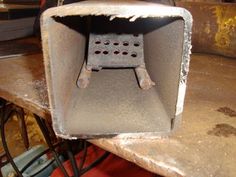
[
  {"x": 224, "y": 130},
  {"x": 227, "y": 111}
]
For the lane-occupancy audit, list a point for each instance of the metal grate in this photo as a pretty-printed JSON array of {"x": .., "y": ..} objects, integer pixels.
[{"x": 115, "y": 50}]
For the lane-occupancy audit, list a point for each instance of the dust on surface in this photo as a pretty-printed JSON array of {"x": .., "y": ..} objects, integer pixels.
[
  {"x": 224, "y": 130},
  {"x": 40, "y": 86},
  {"x": 227, "y": 111}
]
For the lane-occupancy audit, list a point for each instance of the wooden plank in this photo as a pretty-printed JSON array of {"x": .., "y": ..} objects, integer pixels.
[
  {"x": 18, "y": 48},
  {"x": 22, "y": 81},
  {"x": 7, "y": 7}
]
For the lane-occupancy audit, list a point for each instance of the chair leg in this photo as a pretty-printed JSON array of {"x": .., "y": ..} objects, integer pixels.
[
  {"x": 23, "y": 129},
  {"x": 72, "y": 159},
  {"x": 52, "y": 134}
]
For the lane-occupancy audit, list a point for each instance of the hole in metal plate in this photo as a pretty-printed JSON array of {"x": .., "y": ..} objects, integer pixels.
[
  {"x": 97, "y": 52},
  {"x": 125, "y": 53},
  {"x": 116, "y": 52},
  {"x": 134, "y": 54},
  {"x": 97, "y": 42},
  {"x": 116, "y": 43},
  {"x": 125, "y": 43},
  {"x": 136, "y": 44},
  {"x": 105, "y": 52}
]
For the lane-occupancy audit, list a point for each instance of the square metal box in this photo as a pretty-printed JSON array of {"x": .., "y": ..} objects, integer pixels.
[{"x": 113, "y": 102}]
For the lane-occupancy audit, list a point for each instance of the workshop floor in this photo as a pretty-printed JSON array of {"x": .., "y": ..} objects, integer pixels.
[{"x": 14, "y": 139}]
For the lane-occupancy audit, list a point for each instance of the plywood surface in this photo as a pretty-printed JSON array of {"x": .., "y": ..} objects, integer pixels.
[
  {"x": 205, "y": 145},
  {"x": 22, "y": 82}
]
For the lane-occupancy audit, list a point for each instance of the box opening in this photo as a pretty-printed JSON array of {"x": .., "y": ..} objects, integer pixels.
[{"x": 113, "y": 102}]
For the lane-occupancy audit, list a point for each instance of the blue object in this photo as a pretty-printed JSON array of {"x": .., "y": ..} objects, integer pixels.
[{"x": 42, "y": 167}]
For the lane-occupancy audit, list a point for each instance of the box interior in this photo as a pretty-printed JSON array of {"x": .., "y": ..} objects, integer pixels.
[{"x": 113, "y": 102}]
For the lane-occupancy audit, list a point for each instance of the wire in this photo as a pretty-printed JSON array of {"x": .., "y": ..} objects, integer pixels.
[
  {"x": 83, "y": 156},
  {"x": 49, "y": 143},
  {"x": 72, "y": 159},
  {"x": 95, "y": 163},
  {"x": 4, "y": 117}
]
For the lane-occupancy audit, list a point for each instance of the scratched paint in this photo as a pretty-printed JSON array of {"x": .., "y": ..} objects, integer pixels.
[
  {"x": 226, "y": 27},
  {"x": 207, "y": 28},
  {"x": 214, "y": 27}
]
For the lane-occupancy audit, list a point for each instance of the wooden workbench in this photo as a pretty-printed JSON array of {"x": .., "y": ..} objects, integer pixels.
[
  {"x": 204, "y": 146},
  {"x": 7, "y": 7}
]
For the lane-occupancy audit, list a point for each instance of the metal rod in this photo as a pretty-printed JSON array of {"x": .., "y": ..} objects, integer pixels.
[
  {"x": 84, "y": 77},
  {"x": 72, "y": 159},
  {"x": 95, "y": 163},
  {"x": 83, "y": 157},
  {"x": 23, "y": 129},
  {"x": 49, "y": 143},
  {"x": 143, "y": 77}
]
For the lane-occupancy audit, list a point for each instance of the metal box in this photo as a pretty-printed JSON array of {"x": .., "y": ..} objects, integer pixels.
[{"x": 113, "y": 102}]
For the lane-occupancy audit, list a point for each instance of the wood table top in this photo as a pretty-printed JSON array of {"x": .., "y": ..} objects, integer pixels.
[
  {"x": 6, "y": 7},
  {"x": 22, "y": 81},
  {"x": 204, "y": 145}
]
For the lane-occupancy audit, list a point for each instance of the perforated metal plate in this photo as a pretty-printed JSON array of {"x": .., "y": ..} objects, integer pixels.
[{"x": 115, "y": 50}]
